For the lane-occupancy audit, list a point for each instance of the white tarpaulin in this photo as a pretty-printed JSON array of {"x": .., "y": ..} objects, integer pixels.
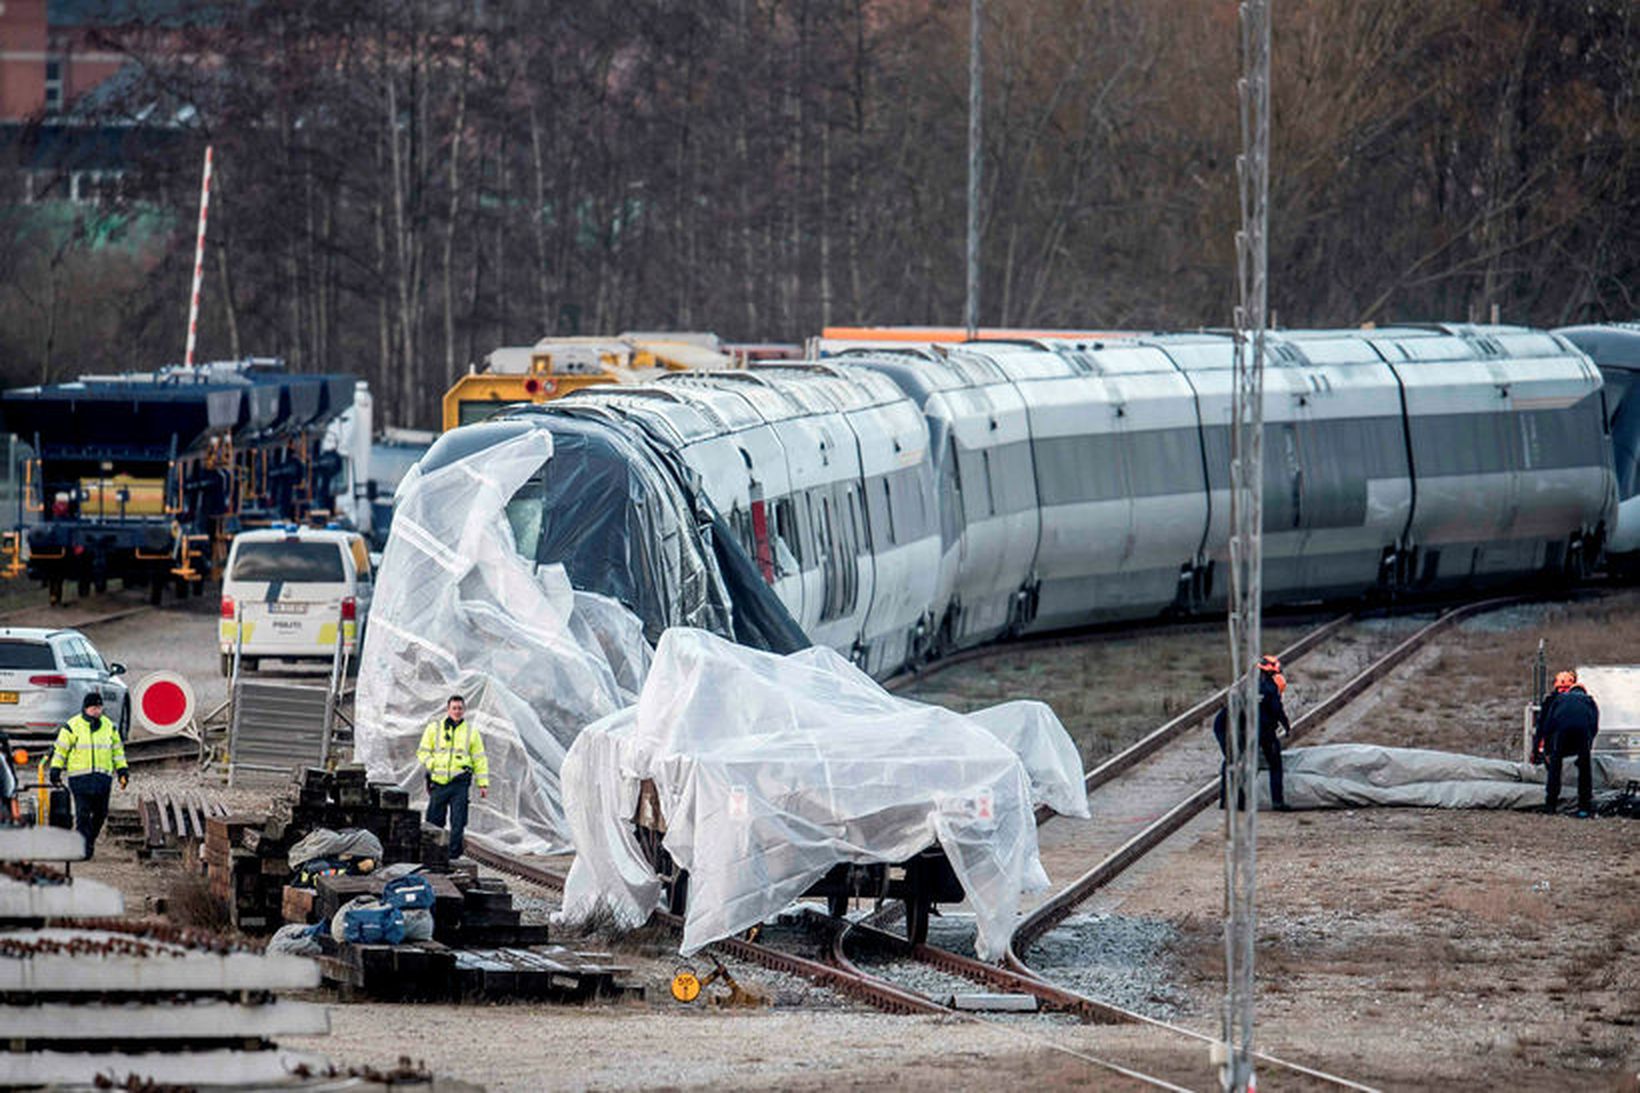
[
  {"x": 459, "y": 610},
  {"x": 772, "y": 769},
  {"x": 1356, "y": 775}
]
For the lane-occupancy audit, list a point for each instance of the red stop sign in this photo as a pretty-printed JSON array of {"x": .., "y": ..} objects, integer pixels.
[{"x": 164, "y": 703}]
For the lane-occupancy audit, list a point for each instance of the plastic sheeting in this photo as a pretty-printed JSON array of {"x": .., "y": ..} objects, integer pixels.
[
  {"x": 1356, "y": 775},
  {"x": 772, "y": 769},
  {"x": 458, "y": 609}
]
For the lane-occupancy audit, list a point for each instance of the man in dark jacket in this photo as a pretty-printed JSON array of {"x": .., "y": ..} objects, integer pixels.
[
  {"x": 1566, "y": 727},
  {"x": 1272, "y": 725}
]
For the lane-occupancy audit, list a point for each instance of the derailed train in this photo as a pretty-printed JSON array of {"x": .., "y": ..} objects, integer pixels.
[{"x": 896, "y": 505}]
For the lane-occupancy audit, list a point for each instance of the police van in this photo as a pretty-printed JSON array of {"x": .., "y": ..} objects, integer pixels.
[{"x": 289, "y": 589}]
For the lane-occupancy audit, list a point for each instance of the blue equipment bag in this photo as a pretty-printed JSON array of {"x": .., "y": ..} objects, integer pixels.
[
  {"x": 409, "y": 893},
  {"x": 379, "y": 925}
]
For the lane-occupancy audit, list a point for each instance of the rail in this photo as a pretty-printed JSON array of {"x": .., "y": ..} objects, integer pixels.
[{"x": 1055, "y": 910}]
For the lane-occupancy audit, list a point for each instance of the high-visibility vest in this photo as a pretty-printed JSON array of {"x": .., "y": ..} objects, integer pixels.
[
  {"x": 448, "y": 752},
  {"x": 84, "y": 748}
]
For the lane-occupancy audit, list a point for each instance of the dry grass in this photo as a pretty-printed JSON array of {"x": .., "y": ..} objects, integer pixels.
[
  {"x": 1107, "y": 693},
  {"x": 189, "y": 902}
]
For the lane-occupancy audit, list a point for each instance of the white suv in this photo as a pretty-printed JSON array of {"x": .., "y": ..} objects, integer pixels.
[{"x": 290, "y": 588}]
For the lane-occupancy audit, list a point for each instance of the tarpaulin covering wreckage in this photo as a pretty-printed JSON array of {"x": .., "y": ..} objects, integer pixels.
[
  {"x": 1359, "y": 775},
  {"x": 459, "y": 609},
  {"x": 771, "y": 769}
]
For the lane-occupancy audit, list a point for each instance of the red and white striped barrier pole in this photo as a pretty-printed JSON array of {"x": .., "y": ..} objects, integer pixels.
[{"x": 199, "y": 259}]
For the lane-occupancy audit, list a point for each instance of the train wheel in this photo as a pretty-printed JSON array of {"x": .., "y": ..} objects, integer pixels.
[
  {"x": 916, "y": 920},
  {"x": 55, "y": 585}
]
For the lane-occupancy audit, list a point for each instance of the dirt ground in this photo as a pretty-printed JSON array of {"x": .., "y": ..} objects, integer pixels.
[{"x": 1407, "y": 949}]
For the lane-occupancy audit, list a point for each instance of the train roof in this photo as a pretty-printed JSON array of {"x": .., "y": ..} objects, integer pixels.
[{"x": 1611, "y": 345}]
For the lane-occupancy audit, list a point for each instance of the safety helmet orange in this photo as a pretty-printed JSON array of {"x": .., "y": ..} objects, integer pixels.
[{"x": 1564, "y": 681}]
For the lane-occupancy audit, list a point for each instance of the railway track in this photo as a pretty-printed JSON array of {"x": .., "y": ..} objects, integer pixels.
[
  {"x": 1017, "y": 977},
  {"x": 1058, "y": 908},
  {"x": 838, "y": 971}
]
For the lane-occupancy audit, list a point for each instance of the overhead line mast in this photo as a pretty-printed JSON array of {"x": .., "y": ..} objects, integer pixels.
[
  {"x": 970, "y": 311},
  {"x": 1246, "y": 546}
]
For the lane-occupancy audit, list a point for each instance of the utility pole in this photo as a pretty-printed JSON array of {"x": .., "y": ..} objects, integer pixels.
[
  {"x": 970, "y": 311},
  {"x": 199, "y": 261},
  {"x": 1235, "y": 1054}
]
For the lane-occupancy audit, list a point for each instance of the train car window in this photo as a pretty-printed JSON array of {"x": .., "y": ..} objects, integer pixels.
[
  {"x": 830, "y": 563},
  {"x": 524, "y": 514},
  {"x": 741, "y": 521},
  {"x": 950, "y": 494},
  {"x": 788, "y": 544},
  {"x": 990, "y": 481},
  {"x": 1163, "y": 462},
  {"x": 888, "y": 508},
  {"x": 856, "y": 547},
  {"x": 976, "y": 497}
]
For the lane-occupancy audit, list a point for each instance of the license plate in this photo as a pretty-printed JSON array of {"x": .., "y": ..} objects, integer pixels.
[
  {"x": 288, "y": 608},
  {"x": 8, "y": 696}
]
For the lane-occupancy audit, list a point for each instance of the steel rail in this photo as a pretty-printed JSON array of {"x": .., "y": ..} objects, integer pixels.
[
  {"x": 1054, "y": 997},
  {"x": 885, "y": 997}
]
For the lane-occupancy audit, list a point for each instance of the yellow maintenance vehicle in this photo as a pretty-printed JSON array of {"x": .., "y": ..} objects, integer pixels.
[{"x": 554, "y": 367}]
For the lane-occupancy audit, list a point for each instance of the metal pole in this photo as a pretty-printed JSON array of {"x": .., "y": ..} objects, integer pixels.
[
  {"x": 199, "y": 259},
  {"x": 1246, "y": 547},
  {"x": 970, "y": 311}
]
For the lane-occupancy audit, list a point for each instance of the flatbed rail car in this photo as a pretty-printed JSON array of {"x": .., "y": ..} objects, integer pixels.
[
  {"x": 920, "y": 882},
  {"x": 145, "y": 477}
]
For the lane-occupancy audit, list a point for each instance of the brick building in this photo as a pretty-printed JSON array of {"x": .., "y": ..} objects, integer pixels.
[{"x": 47, "y": 56}]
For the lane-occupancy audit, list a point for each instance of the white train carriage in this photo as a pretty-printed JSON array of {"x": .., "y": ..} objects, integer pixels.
[
  {"x": 899, "y": 504},
  {"x": 899, "y": 537},
  {"x": 1125, "y": 505},
  {"x": 989, "y": 517},
  {"x": 1615, "y": 350},
  {"x": 1337, "y": 493},
  {"x": 1509, "y": 451}
]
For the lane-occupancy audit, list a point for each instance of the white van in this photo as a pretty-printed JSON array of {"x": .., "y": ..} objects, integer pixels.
[{"x": 290, "y": 587}]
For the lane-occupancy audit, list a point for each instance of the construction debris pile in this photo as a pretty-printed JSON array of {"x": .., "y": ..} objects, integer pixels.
[
  {"x": 115, "y": 997},
  {"x": 458, "y": 610},
  {"x": 325, "y": 862},
  {"x": 247, "y": 858},
  {"x": 770, "y": 770}
]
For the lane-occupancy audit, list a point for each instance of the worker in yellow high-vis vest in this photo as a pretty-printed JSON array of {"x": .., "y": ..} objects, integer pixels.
[
  {"x": 452, "y": 754},
  {"x": 90, "y": 750}
]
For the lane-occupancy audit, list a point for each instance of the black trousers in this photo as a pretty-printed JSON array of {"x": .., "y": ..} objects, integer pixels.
[
  {"x": 451, "y": 796},
  {"x": 90, "y": 792},
  {"x": 1269, "y": 745},
  {"x": 1566, "y": 745}
]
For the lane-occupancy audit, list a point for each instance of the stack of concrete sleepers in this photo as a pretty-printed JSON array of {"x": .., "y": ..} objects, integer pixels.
[{"x": 86, "y": 997}]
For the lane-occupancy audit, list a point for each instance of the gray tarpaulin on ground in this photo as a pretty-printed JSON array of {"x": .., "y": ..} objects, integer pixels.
[
  {"x": 459, "y": 610},
  {"x": 1355, "y": 775},
  {"x": 771, "y": 769}
]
